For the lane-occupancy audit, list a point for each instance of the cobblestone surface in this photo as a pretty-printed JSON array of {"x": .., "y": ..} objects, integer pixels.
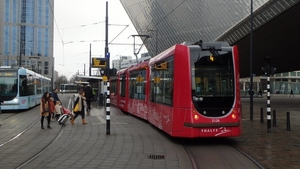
[{"x": 279, "y": 148}]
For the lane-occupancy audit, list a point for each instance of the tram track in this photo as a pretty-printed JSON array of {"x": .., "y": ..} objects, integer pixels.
[
  {"x": 20, "y": 133},
  {"x": 41, "y": 149},
  {"x": 230, "y": 142},
  {"x": 205, "y": 152}
]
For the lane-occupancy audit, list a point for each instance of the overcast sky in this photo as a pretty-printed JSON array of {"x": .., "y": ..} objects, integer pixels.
[{"x": 79, "y": 23}]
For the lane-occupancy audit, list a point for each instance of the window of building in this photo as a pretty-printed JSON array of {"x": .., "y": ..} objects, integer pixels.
[{"x": 292, "y": 73}]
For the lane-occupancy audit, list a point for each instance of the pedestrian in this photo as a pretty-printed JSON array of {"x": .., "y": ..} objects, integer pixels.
[
  {"x": 1, "y": 101},
  {"x": 81, "y": 101},
  {"x": 55, "y": 97},
  {"x": 52, "y": 107},
  {"x": 58, "y": 110},
  {"x": 260, "y": 92},
  {"x": 89, "y": 96},
  {"x": 94, "y": 94},
  {"x": 292, "y": 93},
  {"x": 45, "y": 109}
]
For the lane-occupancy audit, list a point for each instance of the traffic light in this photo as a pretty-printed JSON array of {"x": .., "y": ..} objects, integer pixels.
[
  {"x": 265, "y": 71},
  {"x": 112, "y": 72},
  {"x": 103, "y": 71}
]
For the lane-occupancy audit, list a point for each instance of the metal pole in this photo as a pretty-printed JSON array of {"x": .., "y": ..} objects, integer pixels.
[
  {"x": 90, "y": 69},
  {"x": 267, "y": 59},
  {"x": 251, "y": 74},
  {"x": 52, "y": 79},
  {"x": 288, "y": 121},
  {"x": 20, "y": 57},
  {"x": 107, "y": 56},
  {"x": 261, "y": 115}
]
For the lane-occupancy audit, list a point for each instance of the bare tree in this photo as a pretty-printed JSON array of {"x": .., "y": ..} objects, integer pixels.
[
  {"x": 73, "y": 78},
  {"x": 60, "y": 80}
]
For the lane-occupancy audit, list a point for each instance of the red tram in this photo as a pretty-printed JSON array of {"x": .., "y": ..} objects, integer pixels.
[{"x": 189, "y": 90}]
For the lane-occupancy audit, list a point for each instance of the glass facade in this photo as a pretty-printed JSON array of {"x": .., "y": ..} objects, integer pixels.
[
  {"x": 27, "y": 33},
  {"x": 175, "y": 21}
]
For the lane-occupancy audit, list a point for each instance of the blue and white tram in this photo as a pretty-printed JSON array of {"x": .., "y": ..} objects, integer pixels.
[
  {"x": 68, "y": 88},
  {"x": 21, "y": 88}
]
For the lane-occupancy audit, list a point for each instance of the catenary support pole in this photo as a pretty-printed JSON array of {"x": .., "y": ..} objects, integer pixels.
[
  {"x": 251, "y": 74},
  {"x": 268, "y": 60},
  {"x": 268, "y": 105},
  {"x": 108, "y": 110},
  {"x": 107, "y": 68}
]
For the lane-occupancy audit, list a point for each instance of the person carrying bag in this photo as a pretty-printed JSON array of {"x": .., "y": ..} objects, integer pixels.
[{"x": 79, "y": 106}]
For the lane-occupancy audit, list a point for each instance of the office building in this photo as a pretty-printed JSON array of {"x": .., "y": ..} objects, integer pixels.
[{"x": 26, "y": 34}]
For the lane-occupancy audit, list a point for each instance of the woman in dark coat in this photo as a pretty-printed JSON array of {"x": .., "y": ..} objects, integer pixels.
[{"x": 89, "y": 96}]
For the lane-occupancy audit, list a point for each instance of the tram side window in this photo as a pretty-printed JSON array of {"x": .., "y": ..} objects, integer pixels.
[
  {"x": 38, "y": 86},
  {"x": 30, "y": 85},
  {"x": 113, "y": 87},
  {"x": 26, "y": 85},
  {"x": 137, "y": 85},
  {"x": 48, "y": 85},
  {"x": 162, "y": 83},
  {"x": 123, "y": 85},
  {"x": 23, "y": 85}
]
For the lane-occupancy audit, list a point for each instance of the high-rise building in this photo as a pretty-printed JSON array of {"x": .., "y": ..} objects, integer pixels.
[{"x": 26, "y": 34}]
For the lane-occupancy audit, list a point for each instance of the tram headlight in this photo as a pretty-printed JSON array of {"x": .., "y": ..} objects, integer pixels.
[
  {"x": 233, "y": 116},
  {"x": 196, "y": 116}
]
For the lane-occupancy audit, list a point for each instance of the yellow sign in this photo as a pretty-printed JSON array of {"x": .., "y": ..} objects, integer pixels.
[
  {"x": 139, "y": 78},
  {"x": 104, "y": 78},
  {"x": 211, "y": 58},
  {"x": 99, "y": 62},
  {"x": 156, "y": 79},
  {"x": 161, "y": 66}
]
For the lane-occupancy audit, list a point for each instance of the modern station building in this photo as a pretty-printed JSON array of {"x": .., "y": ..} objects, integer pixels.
[
  {"x": 169, "y": 22},
  {"x": 26, "y": 34}
]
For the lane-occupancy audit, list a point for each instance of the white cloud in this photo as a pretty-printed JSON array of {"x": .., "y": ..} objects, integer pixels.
[{"x": 79, "y": 23}]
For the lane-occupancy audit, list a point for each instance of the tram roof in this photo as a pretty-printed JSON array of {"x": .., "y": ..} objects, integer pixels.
[{"x": 87, "y": 78}]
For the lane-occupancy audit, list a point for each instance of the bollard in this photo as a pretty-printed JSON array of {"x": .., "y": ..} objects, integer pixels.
[
  {"x": 274, "y": 118},
  {"x": 288, "y": 122},
  {"x": 261, "y": 115}
]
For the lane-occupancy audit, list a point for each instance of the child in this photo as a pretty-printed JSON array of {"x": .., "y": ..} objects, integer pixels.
[
  {"x": 57, "y": 110},
  {"x": 52, "y": 107}
]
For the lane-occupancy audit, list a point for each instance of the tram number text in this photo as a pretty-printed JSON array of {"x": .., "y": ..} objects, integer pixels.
[{"x": 215, "y": 120}]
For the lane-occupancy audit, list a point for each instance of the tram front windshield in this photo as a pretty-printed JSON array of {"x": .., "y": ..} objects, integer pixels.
[
  {"x": 8, "y": 84},
  {"x": 212, "y": 76}
]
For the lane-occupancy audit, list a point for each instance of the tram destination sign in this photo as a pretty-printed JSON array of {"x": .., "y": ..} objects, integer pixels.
[
  {"x": 8, "y": 74},
  {"x": 99, "y": 62}
]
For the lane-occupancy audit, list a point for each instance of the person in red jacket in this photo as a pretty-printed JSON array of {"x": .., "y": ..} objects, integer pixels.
[
  {"x": 52, "y": 107},
  {"x": 45, "y": 109}
]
